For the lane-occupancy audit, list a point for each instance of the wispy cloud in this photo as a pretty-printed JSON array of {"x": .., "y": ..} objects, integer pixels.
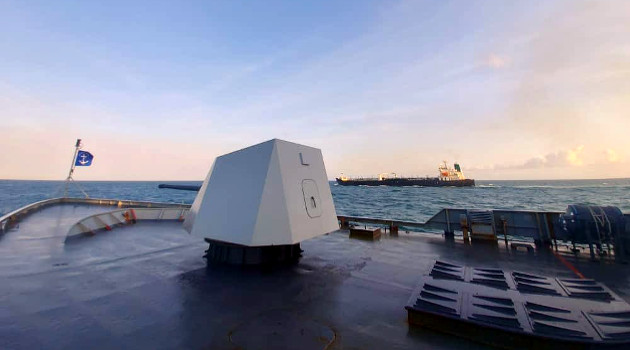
[
  {"x": 497, "y": 61},
  {"x": 563, "y": 158},
  {"x": 398, "y": 91},
  {"x": 612, "y": 155},
  {"x": 574, "y": 156},
  {"x": 573, "y": 74}
]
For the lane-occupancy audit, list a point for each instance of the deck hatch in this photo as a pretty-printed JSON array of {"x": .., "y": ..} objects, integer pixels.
[{"x": 311, "y": 198}]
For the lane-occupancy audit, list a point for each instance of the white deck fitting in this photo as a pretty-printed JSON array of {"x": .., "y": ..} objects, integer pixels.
[{"x": 273, "y": 193}]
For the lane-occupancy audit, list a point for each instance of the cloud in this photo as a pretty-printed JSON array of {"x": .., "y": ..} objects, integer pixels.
[
  {"x": 574, "y": 156},
  {"x": 612, "y": 155},
  {"x": 496, "y": 61},
  {"x": 572, "y": 71},
  {"x": 563, "y": 158},
  {"x": 537, "y": 81}
]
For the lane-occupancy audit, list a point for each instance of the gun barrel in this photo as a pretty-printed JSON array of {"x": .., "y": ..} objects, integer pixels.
[{"x": 180, "y": 187}]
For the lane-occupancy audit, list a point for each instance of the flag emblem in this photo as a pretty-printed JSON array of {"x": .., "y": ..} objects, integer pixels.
[{"x": 84, "y": 158}]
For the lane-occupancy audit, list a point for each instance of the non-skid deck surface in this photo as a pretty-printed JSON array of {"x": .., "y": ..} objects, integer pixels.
[{"x": 147, "y": 286}]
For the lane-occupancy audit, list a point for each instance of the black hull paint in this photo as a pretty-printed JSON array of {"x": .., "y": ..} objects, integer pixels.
[{"x": 426, "y": 182}]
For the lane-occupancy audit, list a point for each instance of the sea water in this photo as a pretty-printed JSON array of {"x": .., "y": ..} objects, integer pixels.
[{"x": 400, "y": 203}]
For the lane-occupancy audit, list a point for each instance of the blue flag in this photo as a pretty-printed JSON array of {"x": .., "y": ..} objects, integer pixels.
[{"x": 84, "y": 158}]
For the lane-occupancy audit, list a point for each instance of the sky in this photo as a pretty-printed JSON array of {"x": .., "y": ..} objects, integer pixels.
[{"x": 158, "y": 89}]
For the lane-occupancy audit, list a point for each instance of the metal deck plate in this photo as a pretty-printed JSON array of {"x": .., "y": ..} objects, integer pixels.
[{"x": 520, "y": 305}]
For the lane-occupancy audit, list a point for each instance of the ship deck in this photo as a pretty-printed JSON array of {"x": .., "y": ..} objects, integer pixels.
[{"x": 147, "y": 286}]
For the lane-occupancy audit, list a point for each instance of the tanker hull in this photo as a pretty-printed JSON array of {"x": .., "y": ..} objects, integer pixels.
[{"x": 425, "y": 182}]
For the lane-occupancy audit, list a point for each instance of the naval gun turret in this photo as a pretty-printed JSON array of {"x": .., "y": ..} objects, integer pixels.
[{"x": 257, "y": 204}]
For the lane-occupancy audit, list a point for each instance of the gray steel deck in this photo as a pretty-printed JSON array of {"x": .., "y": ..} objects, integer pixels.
[{"x": 147, "y": 286}]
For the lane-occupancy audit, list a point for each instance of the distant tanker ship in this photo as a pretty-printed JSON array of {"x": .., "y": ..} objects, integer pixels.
[{"x": 447, "y": 177}]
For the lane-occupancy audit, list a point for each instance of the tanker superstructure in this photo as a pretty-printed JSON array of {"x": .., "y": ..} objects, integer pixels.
[{"x": 453, "y": 177}]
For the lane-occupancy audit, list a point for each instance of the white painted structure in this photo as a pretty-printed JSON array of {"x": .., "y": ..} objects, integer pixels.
[
  {"x": 273, "y": 193},
  {"x": 115, "y": 218}
]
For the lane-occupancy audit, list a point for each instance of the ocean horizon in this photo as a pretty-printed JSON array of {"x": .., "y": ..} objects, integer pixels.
[{"x": 399, "y": 203}]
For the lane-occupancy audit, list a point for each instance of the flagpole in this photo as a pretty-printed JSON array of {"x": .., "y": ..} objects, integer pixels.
[{"x": 77, "y": 146}]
